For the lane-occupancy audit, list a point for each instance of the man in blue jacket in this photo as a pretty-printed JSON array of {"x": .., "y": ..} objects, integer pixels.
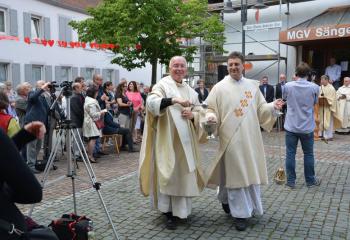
[{"x": 37, "y": 110}]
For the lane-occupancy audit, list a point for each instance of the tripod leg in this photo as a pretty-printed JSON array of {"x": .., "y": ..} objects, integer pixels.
[
  {"x": 92, "y": 177},
  {"x": 48, "y": 167}
]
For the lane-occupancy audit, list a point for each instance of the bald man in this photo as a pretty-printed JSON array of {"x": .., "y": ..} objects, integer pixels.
[{"x": 169, "y": 162}]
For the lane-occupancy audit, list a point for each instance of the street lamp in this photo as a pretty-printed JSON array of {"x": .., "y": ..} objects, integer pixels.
[{"x": 260, "y": 4}]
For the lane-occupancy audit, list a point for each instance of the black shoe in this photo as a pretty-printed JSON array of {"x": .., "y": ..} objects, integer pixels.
[
  {"x": 226, "y": 208},
  {"x": 133, "y": 150},
  {"x": 102, "y": 153},
  {"x": 78, "y": 159},
  {"x": 290, "y": 185},
  {"x": 241, "y": 224},
  {"x": 96, "y": 155},
  {"x": 314, "y": 184},
  {"x": 123, "y": 148},
  {"x": 170, "y": 221}
]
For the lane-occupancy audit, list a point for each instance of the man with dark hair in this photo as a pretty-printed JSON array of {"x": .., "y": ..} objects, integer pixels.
[
  {"x": 267, "y": 89},
  {"x": 301, "y": 96},
  {"x": 77, "y": 114},
  {"x": 240, "y": 166}
]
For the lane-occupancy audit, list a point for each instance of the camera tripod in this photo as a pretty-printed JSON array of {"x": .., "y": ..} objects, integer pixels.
[{"x": 68, "y": 130}]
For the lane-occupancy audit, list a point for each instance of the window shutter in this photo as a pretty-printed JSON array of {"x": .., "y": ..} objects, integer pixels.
[
  {"x": 83, "y": 73},
  {"x": 47, "y": 31},
  {"x": 61, "y": 29},
  {"x": 104, "y": 74},
  {"x": 13, "y": 23},
  {"x": 28, "y": 73},
  {"x": 116, "y": 76},
  {"x": 58, "y": 74},
  {"x": 48, "y": 73},
  {"x": 16, "y": 74},
  {"x": 68, "y": 30},
  {"x": 97, "y": 71},
  {"x": 26, "y": 25},
  {"x": 74, "y": 73}
]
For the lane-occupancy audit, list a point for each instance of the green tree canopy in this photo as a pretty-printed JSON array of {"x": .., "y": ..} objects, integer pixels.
[{"x": 149, "y": 30}]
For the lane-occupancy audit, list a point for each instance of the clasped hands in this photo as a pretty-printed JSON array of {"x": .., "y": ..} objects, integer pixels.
[{"x": 186, "y": 111}]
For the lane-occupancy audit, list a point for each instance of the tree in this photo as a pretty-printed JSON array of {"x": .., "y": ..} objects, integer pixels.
[{"x": 149, "y": 30}]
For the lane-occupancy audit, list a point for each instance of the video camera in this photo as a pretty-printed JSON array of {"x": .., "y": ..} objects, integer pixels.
[{"x": 52, "y": 86}]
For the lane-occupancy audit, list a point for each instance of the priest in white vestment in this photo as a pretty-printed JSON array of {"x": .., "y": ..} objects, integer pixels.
[
  {"x": 169, "y": 170},
  {"x": 328, "y": 109},
  {"x": 343, "y": 97},
  {"x": 239, "y": 109}
]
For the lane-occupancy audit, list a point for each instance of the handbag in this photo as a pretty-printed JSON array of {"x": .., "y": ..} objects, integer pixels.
[
  {"x": 73, "y": 227},
  {"x": 100, "y": 123},
  {"x": 37, "y": 233}
]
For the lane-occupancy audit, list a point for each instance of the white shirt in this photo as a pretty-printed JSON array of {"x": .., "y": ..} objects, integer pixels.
[{"x": 333, "y": 72}]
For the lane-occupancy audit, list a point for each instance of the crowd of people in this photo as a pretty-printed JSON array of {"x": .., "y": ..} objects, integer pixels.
[{"x": 120, "y": 109}]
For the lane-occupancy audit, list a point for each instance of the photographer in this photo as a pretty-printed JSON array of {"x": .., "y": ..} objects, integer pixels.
[
  {"x": 17, "y": 183},
  {"x": 37, "y": 110}
]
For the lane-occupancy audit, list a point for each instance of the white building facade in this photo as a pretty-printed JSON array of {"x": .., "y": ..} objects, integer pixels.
[{"x": 29, "y": 61}]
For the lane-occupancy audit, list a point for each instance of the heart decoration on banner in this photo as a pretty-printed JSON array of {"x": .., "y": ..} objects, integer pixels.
[
  {"x": 27, "y": 40},
  {"x": 44, "y": 42},
  {"x": 51, "y": 42}
]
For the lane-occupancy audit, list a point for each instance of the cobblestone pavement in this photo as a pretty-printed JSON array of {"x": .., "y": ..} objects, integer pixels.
[{"x": 303, "y": 213}]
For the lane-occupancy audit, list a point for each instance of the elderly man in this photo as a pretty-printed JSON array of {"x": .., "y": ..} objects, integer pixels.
[
  {"x": 328, "y": 109},
  {"x": 101, "y": 98},
  {"x": 23, "y": 90},
  {"x": 169, "y": 168},
  {"x": 334, "y": 73},
  {"x": 240, "y": 166},
  {"x": 37, "y": 110},
  {"x": 343, "y": 97}
]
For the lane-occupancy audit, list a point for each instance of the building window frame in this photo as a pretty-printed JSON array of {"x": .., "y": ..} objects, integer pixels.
[
  {"x": 42, "y": 73},
  {"x": 6, "y": 71},
  {"x": 4, "y": 11},
  {"x": 36, "y": 22},
  {"x": 109, "y": 75},
  {"x": 91, "y": 72},
  {"x": 69, "y": 73}
]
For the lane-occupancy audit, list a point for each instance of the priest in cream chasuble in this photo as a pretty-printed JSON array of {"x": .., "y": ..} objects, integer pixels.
[
  {"x": 343, "y": 97},
  {"x": 239, "y": 169},
  {"x": 169, "y": 170},
  {"x": 328, "y": 109}
]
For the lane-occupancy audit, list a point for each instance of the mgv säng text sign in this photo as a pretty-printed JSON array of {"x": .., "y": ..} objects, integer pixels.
[{"x": 315, "y": 33}]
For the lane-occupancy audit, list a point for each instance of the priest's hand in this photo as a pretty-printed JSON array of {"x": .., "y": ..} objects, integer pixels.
[
  {"x": 278, "y": 104},
  {"x": 187, "y": 113},
  {"x": 181, "y": 101}
]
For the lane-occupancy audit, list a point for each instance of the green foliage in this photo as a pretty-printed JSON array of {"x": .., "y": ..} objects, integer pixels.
[{"x": 156, "y": 25}]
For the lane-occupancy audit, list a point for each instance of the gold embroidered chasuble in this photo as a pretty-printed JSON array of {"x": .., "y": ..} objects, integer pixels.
[
  {"x": 325, "y": 111},
  {"x": 169, "y": 157},
  {"x": 240, "y": 109}
]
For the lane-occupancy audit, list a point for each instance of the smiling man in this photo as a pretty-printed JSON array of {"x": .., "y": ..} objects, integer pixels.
[
  {"x": 239, "y": 109},
  {"x": 169, "y": 162}
]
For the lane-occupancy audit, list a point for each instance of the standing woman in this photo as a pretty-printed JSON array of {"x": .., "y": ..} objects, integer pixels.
[
  {"x": 135, "y": 97},
  {"x": 92, "y": 113},
  {"x": 124, "y": 105}
]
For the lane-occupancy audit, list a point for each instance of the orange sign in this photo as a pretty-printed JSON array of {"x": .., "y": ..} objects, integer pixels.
[{"x": 315, "y": 33}]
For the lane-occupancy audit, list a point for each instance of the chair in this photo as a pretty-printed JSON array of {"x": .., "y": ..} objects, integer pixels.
[{"x": 117, "y": 138}]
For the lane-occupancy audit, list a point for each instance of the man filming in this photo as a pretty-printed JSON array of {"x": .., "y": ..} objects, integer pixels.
[{"x": 37, "y": 110}]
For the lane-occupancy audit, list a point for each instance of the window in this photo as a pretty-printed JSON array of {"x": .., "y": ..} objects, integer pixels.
[
  {"x": 89, "y": 72},
  {"x": 36, "y": 27},
  {"x": 37, "y": 73},
  {"x": 109, "y": 75},
  {"x": 3, "y": 72},
  {"x": 66, "y": 74},
  {"x": 2, "y": 20}
]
